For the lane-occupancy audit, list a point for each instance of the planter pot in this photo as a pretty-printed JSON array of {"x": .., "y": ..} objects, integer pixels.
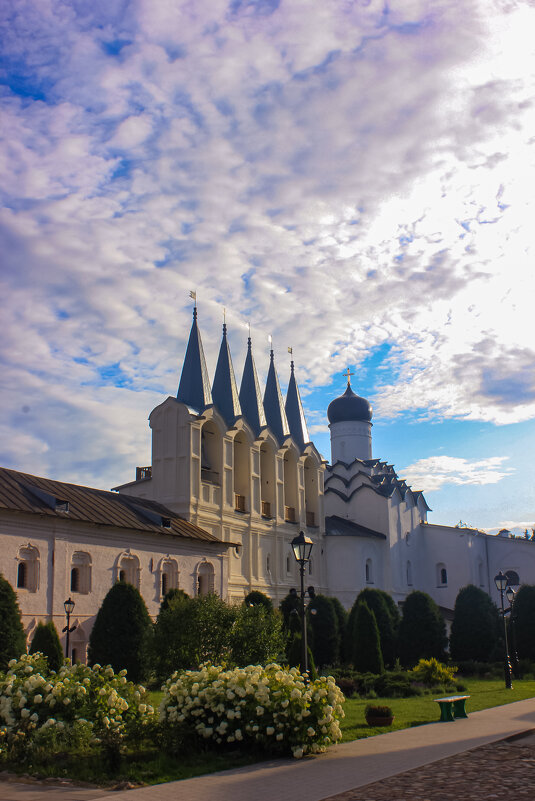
[{"x": 371, "y": 721}]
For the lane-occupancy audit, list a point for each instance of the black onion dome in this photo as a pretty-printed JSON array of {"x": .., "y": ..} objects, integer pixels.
[{"x": 349, "y": 407}]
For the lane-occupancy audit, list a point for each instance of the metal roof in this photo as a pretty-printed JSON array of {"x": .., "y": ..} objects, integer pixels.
[
  {"x": 340, "y": 527},
  {"x": 250, "y": 395},
  {"x": 194, "y": 387},
  {"x": 273, "y": 405},
  {"x": 294, "y": 412},
  {"x": 224, "y": 389},
  {"x": 22, "y": 492}
]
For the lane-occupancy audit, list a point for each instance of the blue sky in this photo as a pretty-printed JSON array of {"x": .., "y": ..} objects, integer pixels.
[{"x": 353, "y": 178}]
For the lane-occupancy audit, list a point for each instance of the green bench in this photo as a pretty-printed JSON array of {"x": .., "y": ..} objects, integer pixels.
[{"x": 452, "y": 707}]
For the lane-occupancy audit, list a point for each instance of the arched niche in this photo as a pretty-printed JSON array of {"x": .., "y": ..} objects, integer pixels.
[
  {"x": 291, "y": 508},
  {"x": 241, "y": 471},
  {"x": 81, "y": 572},
  {"x": 211, "y": 453},
  {"x": 128, "y": 569},
  {"x": 28, "y": 568},
  {"x": 267, "y": 479},
  {"x": 167, "y": 575},
  {"x": 311, "y": 492}
]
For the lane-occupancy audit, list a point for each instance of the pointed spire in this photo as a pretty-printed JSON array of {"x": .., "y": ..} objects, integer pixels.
[
  {"x": 250, "y": 395},
  {"x": 273, "y": 406},
  {"x": 224, "y": 389},
  {"x": 295, "y": 413},
  {"x": 194, "y": 387}
]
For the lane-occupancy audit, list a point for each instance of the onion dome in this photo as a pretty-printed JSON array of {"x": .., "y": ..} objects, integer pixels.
[{"x": 349, "y": 407}]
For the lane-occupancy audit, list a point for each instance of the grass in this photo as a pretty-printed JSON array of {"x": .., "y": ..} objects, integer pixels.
[
  {"x": 151, "y": 766},
  {"x": 484, "y": 693}
]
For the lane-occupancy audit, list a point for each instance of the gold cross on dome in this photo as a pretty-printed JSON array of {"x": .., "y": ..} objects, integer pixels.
[{"x": 347, "y": 374}]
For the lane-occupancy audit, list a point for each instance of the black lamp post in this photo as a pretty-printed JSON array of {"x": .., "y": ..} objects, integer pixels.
[
  {"x": 302, "y": 547},
  {"x": 68, "y": 606},
  {"x": 510, "y": 592},
  {"x": 501, "y": 584}
]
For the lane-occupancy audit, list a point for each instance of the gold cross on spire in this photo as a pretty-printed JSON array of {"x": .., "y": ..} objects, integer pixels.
[{"x": 347, "y": 374}]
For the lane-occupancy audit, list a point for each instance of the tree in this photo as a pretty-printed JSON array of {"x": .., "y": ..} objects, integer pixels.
[
  {"x": 476, "y": 626},
  {"x": 256, "y": 636},
  {"x": 256, "y": 597},
  {"x": 341, "y": 617},
  {"x": 191, "y": 631},
  {"x": 294, "y": 656},
  {"x": 325, "y": 635},
  {"x": 367, "y": 656},
  {"x": 46, "y": 641},
  {"x": 121, "y": 635},
  {"x": 422, "y": 631},
  {"x": 524, "y": 611},
  {"x": 387, "y": 617},
  {"x": 12, "y": 636}
]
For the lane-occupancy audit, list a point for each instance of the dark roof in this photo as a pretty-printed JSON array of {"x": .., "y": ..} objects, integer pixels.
[
  {"x": 349, "y": 407},
  {"x": 273, "y": 405},
  {"x": 224, "y": 390},
  {"x": 340, "y": 527},
  {"x": 22, "y": 492},
  {"x": 194, "y": 387},
  {"x": 295, "y": 414},
  {"x": 250, "y": 395}
]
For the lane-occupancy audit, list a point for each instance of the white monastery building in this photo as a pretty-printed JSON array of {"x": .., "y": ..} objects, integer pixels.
[{"x": 234, "y": 477}]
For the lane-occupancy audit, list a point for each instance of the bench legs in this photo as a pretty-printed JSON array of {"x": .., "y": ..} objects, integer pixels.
[
  {"x": 449, "y": 710},
  {"x": 446, "y": 711}
]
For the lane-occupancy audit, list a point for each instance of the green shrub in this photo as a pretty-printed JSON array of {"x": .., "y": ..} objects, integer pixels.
[
  {"x": 46, "y": 641},
  {"x": 476, "y": 626},
  {"x": 323, "y": 621},
  {"x": 387, "y": 618},
  {"x": 12, "y": 636},
  {"x": 256, "y": 598},
  {"x": 256, "y": 636},
  {"x": 431, "y": 672},
  {"x": 422, "y": 631}
]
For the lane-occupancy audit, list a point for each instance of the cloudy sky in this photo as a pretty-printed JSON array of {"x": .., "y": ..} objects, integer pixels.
[{"x": 353, "y": 178}]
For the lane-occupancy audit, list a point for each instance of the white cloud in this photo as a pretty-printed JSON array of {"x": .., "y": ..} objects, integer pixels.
[{"x": 435, "y": 471}]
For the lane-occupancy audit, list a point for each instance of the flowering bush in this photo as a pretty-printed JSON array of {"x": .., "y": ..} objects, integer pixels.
[
  {"x": 271, "y": 706},
  {"x": 77, "y": 705}
]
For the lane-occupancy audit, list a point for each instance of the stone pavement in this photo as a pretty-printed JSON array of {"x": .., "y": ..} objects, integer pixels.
[{"x": 419, "y": 762}]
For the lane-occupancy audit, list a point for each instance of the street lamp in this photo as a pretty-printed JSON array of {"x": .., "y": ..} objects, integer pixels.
[
  {"x": 511, "y": 594},
  {"x": 501, "y": 585},
  {"x": 302, "y": 548},
  {"x": 68, "y": 606}
]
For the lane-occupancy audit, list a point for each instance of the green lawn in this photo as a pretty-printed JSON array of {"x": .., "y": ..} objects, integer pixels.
[{"x": 484, "y": 693}]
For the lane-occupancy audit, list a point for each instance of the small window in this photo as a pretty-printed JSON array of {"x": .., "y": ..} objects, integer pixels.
[
  {"x": 513, "y": 579},
  {"x": 442, "y": 575},
  {"x": 22, "y": 575},
  {"x": 310, "y": 567},
  {"x": 369, "y": 571},
  {"x": 205, "y": 579},
  {"x": 288, "y": 565},
  {"x": 409, "y": 574},
  {"x": 122, "y": 575},
  {"x": 268, "y": 563},
  {"x": 164, "y": 584},
  {"x": 128, "y": 569},
  {"x": 75, "y": 579}
]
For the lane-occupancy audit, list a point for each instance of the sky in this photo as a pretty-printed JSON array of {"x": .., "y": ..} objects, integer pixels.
[{"x": 353, "y": 179}]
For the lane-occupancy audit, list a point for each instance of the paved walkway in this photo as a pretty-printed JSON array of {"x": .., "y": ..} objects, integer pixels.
[{"x": 343, "y": 768}]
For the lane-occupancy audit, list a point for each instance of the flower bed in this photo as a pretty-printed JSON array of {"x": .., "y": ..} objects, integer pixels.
[
  {"x": 78, "y": 707},
  {"x": 273, "y": 707}
]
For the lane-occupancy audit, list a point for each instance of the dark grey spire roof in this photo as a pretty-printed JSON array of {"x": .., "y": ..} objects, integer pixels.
[
  {"x": 294, "y": 412},
  {"x": 250, "y": 395},
  {"x": 194, "y": 387},
  {"x": 224, "y": 389},
  {"x": 273, "y": 406}
]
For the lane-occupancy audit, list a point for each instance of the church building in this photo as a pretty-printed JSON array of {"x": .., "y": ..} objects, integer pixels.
[{"x": 233, "y": 479}]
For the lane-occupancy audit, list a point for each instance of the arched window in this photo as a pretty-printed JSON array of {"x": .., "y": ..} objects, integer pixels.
[
  {"x": 409, "y": 574},
  {"x": 513, "y": 579},
  {"x": 81, "y": 572},
  {"x": 205, "y": 579},
  {"x": 442, "y": 575},
  {"x": 168, "y": 576},
  {"x": 28, "y": 569},
  {"x": 128, "y": 569},
  {"x": 369, "y": 571}
]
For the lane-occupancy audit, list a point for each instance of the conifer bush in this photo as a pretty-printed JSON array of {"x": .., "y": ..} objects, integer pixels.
[
  {"x": 422, "y": 631},
  {"x": 325, "y": 634},
  {"x": 46, "y": 641},
  {"x": 122, "y": 632},
  {"x": 367, "y": 656},
  {"x": 475, "y": 629},
  {"x": 12, "y": 636}
]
